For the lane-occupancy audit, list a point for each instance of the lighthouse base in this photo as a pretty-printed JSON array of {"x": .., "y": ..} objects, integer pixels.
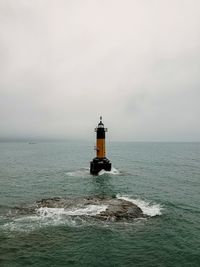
[{"x": 98, "y": 164}]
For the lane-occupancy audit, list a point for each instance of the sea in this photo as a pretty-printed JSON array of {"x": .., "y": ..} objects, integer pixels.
[{"x": 163, "y": 179}]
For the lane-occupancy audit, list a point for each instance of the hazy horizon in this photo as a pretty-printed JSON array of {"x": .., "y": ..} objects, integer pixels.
[
  {"x": 65, "y": 63},
  {"x": 92, "y": 140}
]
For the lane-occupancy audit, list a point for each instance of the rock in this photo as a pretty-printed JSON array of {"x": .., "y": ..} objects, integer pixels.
[
  {"x": 120, "y": 210},
  {"x": 116, "y": 209}
]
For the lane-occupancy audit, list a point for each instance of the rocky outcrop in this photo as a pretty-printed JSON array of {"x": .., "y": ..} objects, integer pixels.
[
  {"x": 116, "y": 209},
  {"x": 120, "y": 210},
  {"x": 98, "y": 207}
]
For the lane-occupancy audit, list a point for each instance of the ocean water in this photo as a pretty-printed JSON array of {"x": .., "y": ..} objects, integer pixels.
[{"x": 163, "y": 179}]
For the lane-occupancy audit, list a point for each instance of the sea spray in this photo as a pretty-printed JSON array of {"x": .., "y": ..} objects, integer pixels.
[
  {"x": 148, "y": 208},
  {"x": 90, "y": 210},
  {"x": 79, "y": 173},
  {"x": 45, "y": 216},
  {"x": 113, "y": 172},
  {"x": 83, "y": 172}
]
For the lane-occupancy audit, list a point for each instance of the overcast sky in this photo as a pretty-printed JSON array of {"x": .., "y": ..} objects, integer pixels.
[{"x": 63, "y": 63}]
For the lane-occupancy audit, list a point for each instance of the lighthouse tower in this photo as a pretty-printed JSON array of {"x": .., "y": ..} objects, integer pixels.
[{"x": 100, "y": 162}]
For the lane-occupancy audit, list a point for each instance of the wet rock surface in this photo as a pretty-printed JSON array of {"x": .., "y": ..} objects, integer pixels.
[
  {"x": 119, "y": 210},
  {"x": 116, "y": 209},
  {"x": 98, "y": 207}
]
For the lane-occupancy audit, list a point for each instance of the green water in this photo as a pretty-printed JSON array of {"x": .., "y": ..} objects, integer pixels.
[{"x": 162, "y": 178}]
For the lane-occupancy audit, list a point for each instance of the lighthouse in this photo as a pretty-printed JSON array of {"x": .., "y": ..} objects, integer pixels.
[{"x": 100, "y": 162}]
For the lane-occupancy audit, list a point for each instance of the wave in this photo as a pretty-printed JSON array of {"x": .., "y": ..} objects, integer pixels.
[
  {"x": 148, "y": 208},
  {"x": 113, "y": 172},
  {"x": 76, "y": 216},
  {"x": 86, "y": 172},
  {"x": 53, "y": 217},
  {"x": 79, "y": 173},
  {"x": 90, "y": 210}
]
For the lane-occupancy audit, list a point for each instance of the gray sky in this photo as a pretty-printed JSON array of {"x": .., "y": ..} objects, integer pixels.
[{"x": 63, "y": 63}]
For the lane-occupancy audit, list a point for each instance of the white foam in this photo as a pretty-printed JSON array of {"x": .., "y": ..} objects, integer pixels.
[
  {"x": 22, "y": 224},
  {"x": 150, "y": 209},
  {"x": 53, "y": 216},
  {"x": 90, "y": 210},
  {"x": 86, "y": 171},
  {"x": 79, "y": 173},
  {"x": 113, "y": 171}
]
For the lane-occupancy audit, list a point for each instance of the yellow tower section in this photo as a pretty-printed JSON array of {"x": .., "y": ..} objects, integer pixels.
[
  {"x": 100, "y": 142},
  {"x": 100, "y": 148}
]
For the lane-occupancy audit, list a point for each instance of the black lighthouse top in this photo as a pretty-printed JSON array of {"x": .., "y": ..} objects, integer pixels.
[
  {"x": 100, "y": 130},
  {"x": 100, "y": 125}
]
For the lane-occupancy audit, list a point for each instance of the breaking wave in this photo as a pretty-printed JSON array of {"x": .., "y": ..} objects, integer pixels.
[
  {"x": 90, "y": 210},
  {"x": 76, "y": 216},
  {"x": 148, "y": 208},
  {"x": 86, "y": 172},
  {"x": 52, "y": 217},
  {"x": 113, "y": 172},
  {"x": 79, "y": 173}
]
